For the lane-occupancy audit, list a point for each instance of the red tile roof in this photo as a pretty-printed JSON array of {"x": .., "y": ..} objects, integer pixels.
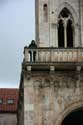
[{"x": 6, "y": 94}]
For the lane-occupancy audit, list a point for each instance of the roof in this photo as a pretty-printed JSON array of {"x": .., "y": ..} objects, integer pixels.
[{"x": 8, "y": 100}]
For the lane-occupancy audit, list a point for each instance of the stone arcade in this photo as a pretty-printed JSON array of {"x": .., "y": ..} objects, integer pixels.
[{"x": 52, "y": 69}]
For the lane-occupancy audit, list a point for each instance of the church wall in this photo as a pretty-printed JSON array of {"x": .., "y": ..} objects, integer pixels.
[
  {"x": 48, "y": 96},
  {"x": 53, "y": 81},
  {"x": 46, "y": 32}
]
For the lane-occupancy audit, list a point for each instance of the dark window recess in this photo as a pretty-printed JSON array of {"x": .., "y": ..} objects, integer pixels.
[
  {"x": 65, "y": 13},
  {"x": 1, "y": 101},
  {"x": 69, "y": 28},
  {"x": 30, "y": 56},
  {"x": 34, "y": 56},
  {"x": 60, "y": 34},
  {"x": 45, "y": 8},
  {"x": 69, "y": 34},
  {"x": 10, "y": 101}
]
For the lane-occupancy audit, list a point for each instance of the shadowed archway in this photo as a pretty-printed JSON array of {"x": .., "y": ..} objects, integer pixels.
[{"x": 74, "y": 118}]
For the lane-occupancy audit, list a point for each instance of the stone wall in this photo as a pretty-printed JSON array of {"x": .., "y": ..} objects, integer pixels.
[
  {"x": 81, "y": 13},
  {"x": 48, "y": 97}
]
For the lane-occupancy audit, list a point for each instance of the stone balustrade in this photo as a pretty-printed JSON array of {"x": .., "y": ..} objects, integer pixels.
[{"x": 46, "y": 55}]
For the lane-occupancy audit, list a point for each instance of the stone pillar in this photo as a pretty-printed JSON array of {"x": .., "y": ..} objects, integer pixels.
[
  {"x": 28, "y": 102},
  {"x": 65, "y": 32},
  {"x": 77, "y": 35},
  {"x": 53, "y": 37},
  {"x": 32, "y": 55}
]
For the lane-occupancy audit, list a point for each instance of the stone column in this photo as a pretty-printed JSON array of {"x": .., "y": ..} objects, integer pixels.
[
  {"x": 32, "y": 55},
  {"x": 77, "y": 35},
  {"x": 65, "y": 32}
]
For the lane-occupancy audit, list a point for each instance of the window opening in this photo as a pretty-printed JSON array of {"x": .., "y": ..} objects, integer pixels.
[
  {"x": 34, "y": 56},
  {"x": 60, "y": 34},
  {"x": 45, "y": 8},
  {"x": 65, "y": 13},
  {"x": 1, "y": 101},
  {"x": 65, "y": 29},
  {"x": 69, "y": 34},
  {"x": 10, "y": 101}
]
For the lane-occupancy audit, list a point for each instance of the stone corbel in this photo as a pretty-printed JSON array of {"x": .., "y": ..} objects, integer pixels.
[
  {"x": 28, "y": 73},
  {"x": 52, "y": 69}
]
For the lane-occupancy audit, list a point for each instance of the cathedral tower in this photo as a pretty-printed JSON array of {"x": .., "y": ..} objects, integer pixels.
[
  {"x": 52, "y": 69},
  {"x": 58, "y": 23}
]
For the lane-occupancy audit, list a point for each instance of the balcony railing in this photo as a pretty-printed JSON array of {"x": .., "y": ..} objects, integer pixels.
[{"x": 45, "y": 55}]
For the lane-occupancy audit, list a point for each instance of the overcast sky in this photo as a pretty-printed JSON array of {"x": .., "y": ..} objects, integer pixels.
[{"x": 17, "y": 29}]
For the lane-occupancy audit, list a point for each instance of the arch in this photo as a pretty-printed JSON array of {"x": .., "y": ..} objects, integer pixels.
[
  {"x": 65, "y": 28},
  {"x": 70, "y": 8},
  {"x": 74, "y": 118},
  {"x": 71, "y": 107}
]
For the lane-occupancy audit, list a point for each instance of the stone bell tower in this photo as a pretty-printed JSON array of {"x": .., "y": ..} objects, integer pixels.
[
  {"x": 54, "y": 17},
  {"x": 52, "y": 69}
]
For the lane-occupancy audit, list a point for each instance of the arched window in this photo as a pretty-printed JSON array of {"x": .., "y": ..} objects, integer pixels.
[
  {"x": 65, "y": 29},
  {"x": 45, "y": 9},
  {"x": 74, "y": 118}
]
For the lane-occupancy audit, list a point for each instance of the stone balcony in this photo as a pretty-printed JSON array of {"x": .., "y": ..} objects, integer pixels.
[{"x": 53, "y": 56}]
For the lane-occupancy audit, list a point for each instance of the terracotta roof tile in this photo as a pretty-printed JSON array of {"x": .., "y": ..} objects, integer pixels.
[{"x": 6, "y": 94}]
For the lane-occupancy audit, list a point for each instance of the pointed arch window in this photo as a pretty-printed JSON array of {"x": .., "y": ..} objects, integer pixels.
[{"x": 65, "y": 29}]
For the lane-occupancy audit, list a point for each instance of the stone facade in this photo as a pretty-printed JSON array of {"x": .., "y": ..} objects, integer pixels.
[
  {"x": 52, "y": 96},
  {"x": 52, "y": 77},
  {"x": 46, "y": 32},
  {"x": 20, "y": 112}
]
